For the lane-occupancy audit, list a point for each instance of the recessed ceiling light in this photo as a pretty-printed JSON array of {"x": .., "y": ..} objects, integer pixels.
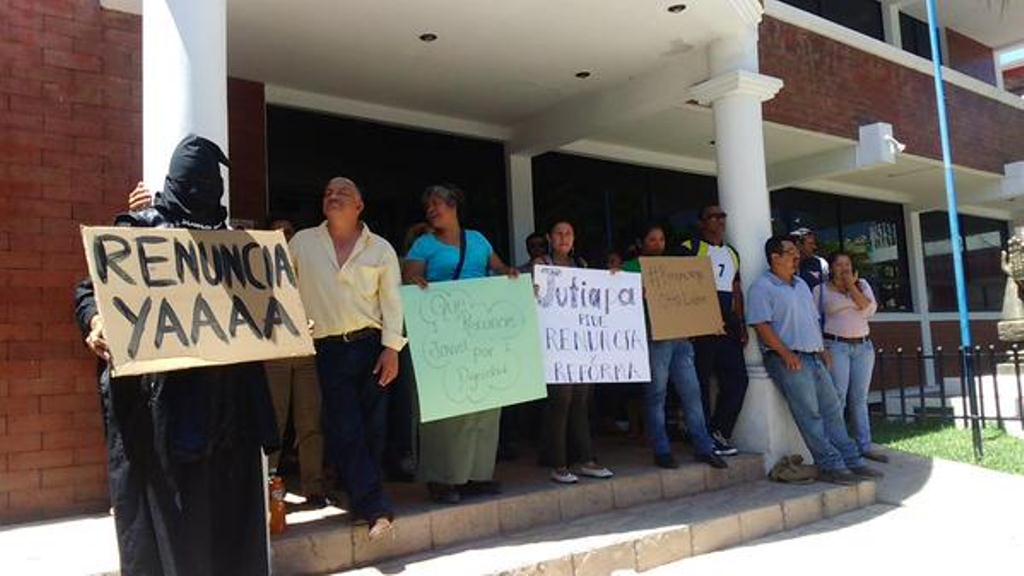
[
  {"x": 711, "y": 142},
  {"x": 677, "y": 8},
  {"x": 583, "y": 74},
  {"x": 428, "y": 37}
]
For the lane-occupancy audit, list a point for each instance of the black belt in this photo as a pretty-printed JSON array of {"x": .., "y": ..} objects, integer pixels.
[
  {"x": 353, "y": 336},
  {"x": 833, "y": 337}
]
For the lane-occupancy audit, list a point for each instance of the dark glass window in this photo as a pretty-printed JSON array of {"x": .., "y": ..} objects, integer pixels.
[
  {"x": 871, "y": 232},
  {"x": 392, "y": 167},
  {"x": 864, "y": 16},
  {"x": 607, "y": 202},
  {"x": 983, "y": 239},
  {"x": 915, "y": 37}
]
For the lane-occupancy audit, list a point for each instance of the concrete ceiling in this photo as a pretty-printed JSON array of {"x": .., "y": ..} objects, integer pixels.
[
  {"x": 997, "y": 23},
  {"x": 494, "y": 61},
  {"x": 689, "y": 131}
]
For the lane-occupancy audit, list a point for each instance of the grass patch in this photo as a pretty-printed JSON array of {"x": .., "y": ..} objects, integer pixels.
[{"x": 937, "y": 440}]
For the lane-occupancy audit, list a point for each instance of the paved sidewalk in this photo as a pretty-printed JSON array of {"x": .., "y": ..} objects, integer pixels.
[
  {"x": 83, "y": 545},
  {"x": 934, "y": 518}
]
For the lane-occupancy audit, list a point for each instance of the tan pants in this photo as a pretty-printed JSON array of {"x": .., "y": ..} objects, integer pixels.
[{"x": 293, "y": 385}]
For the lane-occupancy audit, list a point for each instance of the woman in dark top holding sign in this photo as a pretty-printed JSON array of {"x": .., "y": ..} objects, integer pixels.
[
  {"x": 672, "y": 360},
  {"x": 457, "y": 455},
  {"x": 566, "y": 417},
  {"x": 186, "y": 478}
]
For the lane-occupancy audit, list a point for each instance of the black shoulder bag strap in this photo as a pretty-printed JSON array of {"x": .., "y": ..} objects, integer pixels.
[{"x": 462, "y": 257}]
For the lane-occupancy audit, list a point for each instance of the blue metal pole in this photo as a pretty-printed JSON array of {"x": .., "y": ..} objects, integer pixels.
[{"x": 956, "y": 241}]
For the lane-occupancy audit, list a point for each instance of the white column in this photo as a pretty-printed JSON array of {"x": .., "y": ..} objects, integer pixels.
[
  {"x": 519, "y": 168},
  {"x": 919, "y": 286},
  {"x": 736, "y": 92},
  {"x": 184, "y": 79},
  {"x": 891, "y": 23}
]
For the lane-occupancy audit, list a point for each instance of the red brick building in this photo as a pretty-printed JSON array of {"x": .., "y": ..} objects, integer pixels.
[{"x": 71, "y": 147}]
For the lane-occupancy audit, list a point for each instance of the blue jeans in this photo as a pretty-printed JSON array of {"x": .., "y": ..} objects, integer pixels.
[
  {"x": 354, "y": 420},
  {"x": 673, "y": 360},
  {"x": 852, "y": 365},
  {"x": 812, "y": 400}
]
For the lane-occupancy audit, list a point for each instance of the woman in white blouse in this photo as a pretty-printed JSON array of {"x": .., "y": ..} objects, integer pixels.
[{"x": 846, "y": 302}]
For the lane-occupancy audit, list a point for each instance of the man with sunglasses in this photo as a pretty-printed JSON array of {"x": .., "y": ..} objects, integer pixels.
[{"x": 721, "y": 355}]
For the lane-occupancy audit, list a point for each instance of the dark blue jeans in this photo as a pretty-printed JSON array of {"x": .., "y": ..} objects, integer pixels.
[
  {"x": 354, "y": 420},
  {"x": 672, "y": 360}
]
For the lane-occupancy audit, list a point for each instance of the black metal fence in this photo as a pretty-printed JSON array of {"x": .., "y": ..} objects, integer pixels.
[{"x": 917, "y": 386}]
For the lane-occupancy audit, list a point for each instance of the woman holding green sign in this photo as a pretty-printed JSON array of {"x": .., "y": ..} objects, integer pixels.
[{"x": 457, "y": 455}]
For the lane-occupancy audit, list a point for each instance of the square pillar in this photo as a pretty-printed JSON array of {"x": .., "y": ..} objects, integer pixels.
[{"x": 519, "y": 170}]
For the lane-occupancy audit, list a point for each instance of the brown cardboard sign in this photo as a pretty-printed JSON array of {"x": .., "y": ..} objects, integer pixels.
[
  {"x": 172, "y": 298},
  {"x": 681, "y": 297}
]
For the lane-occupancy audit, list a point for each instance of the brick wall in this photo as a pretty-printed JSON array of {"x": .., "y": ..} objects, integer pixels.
[
  {"x": 971, "y": 57},
  {"x": 834, "y": 88},
  {"x": 1013, "y": 80},
  {"x": 70, "y": 150},
  {"x": 70, "y": 133}
]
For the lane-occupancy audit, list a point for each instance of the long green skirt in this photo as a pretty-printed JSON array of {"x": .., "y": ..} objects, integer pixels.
[{"x": 457, "y": 450}]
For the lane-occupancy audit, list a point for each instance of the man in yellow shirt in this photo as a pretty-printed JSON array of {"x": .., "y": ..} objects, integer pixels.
[{"x": 349, "y": 282}]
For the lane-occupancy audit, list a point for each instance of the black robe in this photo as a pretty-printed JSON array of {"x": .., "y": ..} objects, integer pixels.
[{"x": 186, "y": 478}]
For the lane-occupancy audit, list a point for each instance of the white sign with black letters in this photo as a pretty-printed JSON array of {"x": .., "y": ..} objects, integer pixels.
[{"x": 592, "y": 325}]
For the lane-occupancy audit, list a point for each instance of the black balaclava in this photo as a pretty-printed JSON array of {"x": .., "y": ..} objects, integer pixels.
[{"x": 193, "y": 188}]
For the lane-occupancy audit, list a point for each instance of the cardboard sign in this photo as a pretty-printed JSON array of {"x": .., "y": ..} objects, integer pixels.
[
  {"x": 475, "y": 345},
  {"x": 681, "y": 297},
  {"x": 592, "y": 326},
  {"x": 173, "y": 298}
]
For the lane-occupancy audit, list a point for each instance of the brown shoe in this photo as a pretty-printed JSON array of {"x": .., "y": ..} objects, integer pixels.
[
  {"x": 841, "y": 477},
  {"x": 866, "y": 473},
  {"x": 876, "y": 456}
]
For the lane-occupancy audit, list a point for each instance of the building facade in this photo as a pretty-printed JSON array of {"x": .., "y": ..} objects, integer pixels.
[{"x": 815, "y": 113}]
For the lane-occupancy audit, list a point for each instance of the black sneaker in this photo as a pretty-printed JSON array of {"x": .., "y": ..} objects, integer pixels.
[
  {"x": 841, "y": 477},
  {"x": 667, "y": 461},
  {"x": 722, "y": 446},
  {"x": 480, "y": 488},
  {"x": 713, "y": 460},
  {"x": 443, "y": 493}
]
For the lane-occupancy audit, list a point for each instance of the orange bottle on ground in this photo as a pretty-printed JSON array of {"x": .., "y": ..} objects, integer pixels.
[{"x": 278, "y": 523}]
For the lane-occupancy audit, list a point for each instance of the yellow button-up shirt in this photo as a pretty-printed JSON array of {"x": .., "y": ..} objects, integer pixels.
[{"x": 361, "y": 294}]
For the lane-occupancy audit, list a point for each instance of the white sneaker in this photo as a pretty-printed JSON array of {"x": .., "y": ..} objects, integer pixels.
[
  {"x": 564, "y": 477},
  {"x": 594, "y": 471}
]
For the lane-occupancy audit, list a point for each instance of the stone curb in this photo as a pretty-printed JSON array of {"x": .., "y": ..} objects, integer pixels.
[{"x": 337, "y": 547}]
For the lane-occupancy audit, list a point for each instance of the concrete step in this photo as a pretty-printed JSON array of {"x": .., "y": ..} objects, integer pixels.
[
  {"x": 642, "y": 537},
  {"x": 530, "y": 501}
]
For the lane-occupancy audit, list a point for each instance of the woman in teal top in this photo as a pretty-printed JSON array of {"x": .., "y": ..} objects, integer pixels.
[{"x": 457, "y": 455}]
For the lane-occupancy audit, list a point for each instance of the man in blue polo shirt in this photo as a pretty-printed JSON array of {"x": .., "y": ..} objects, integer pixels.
[{"x": 781, "y": 309}]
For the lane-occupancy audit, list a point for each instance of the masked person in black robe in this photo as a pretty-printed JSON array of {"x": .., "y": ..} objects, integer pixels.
[{"x": 186, "y": 477}]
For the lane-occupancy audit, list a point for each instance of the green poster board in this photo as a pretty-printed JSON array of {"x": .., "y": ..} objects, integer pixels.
[{"x": 475, "y": 345}]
